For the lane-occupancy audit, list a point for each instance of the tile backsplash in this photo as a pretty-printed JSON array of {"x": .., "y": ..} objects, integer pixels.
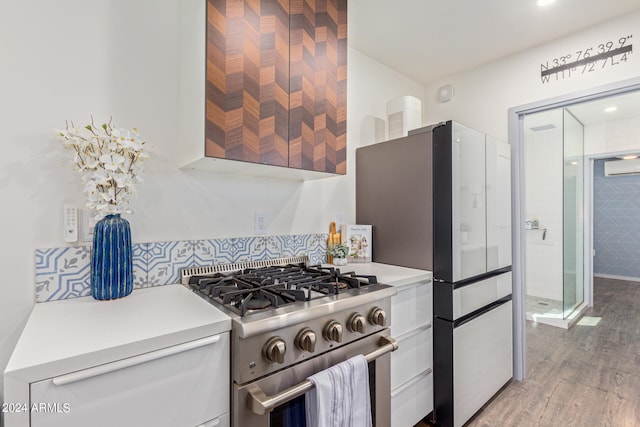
[{"x": 63, "y": 273}]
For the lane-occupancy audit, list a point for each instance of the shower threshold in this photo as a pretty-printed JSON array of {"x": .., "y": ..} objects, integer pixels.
[{"x": 550, "y": 315}]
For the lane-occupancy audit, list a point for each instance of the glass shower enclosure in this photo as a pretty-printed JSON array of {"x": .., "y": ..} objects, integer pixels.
[
  {"x": 554, "y": 192},
  {"x": 573, "y": 228}
]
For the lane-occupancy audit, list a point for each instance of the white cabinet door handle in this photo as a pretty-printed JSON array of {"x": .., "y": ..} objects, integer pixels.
[
  {"x": 132, "y": 361},
  {"x": 412, "y": 381},
  {"x": 413, "y": 332},
  {"x": 212, "y": 423}
]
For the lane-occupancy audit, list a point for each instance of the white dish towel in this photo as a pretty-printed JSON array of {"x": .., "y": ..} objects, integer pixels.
[{"x": 340, "y": 397}]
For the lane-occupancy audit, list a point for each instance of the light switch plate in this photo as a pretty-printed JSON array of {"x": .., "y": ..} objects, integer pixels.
[
  {"x": 341, "y": 219},
  {"x": 87, "y": 224},
  {"x": 260, "y": 223}
]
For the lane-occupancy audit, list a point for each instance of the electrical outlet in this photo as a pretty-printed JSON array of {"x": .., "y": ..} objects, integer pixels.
[{"x": 260, "y": 223}]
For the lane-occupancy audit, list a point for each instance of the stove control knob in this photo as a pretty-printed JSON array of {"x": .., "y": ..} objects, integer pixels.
[
  {"x": 274, "y": 350},
  {"x": 356, "y": 323},
  {"x": 306, "y": 340},
  {"x": 378, "y": 317},
  {"x": 333, "y": 331}
]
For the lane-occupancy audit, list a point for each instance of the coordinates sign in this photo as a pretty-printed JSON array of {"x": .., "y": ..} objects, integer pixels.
[{"x": 589, "y": 59}]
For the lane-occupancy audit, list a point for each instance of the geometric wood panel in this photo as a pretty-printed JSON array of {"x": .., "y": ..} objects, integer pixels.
[
  {"x": 247, "y": 87},
  {"x": 318, "y": 85}
]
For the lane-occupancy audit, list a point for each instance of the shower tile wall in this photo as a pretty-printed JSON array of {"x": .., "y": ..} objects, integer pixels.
[
  {"x": 543, "y": 179},
  {"x": 616, "y": 224}
]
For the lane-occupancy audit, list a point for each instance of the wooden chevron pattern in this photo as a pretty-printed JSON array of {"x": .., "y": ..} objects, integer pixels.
[
  {"x": 318, "y": 87},
  {"x": 247, "y": 90},
  {"x": 276, "y": 82}
]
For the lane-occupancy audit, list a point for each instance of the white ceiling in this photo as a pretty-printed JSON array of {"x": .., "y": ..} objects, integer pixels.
[
  {"x": 588, "y": 113},
  {"x": 430, "y": 39}
]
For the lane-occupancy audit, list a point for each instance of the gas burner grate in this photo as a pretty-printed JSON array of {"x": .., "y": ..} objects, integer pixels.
[{"x": 249, "y": 287}]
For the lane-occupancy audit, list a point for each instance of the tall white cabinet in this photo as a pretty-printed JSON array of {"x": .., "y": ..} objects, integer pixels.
[{"x": 412, "y": 363}]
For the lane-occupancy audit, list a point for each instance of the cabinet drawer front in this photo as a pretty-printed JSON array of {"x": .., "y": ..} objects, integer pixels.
[
  {"x": 412, "y": 403},
  {"x": 186, "y": 388},
  {"x": 414, "y": 355},
  {"x": 411, "y": 307},
  {"x": 482, "y": 360},
  {"x": 472, "y": 297}
]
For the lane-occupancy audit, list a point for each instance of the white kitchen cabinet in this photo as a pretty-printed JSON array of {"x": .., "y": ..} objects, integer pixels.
[
  {"x": 482, "y": 361},
  {"x": 408, "y": 401},
  {"x": 158, "y": 357},
  {"x": 172, "y": 387},
  {"x": 413, "y": 356},
  {"x": 412, "y": 363}
]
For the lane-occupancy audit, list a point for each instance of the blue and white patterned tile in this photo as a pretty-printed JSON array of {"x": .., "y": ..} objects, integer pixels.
[
  {"x": 65, "y": 272},
  {"x": 317, "y": 248},
  {"x": 140, "y": 253},
  {"x": 62, "y": 273},
  {"x": 293, "y": 245},
  {"x": 166, "y": 259},
  {"x": 264, "y": 247},
  {"x": 204, "y": 252},
  {"x": 227, "y": 251}
]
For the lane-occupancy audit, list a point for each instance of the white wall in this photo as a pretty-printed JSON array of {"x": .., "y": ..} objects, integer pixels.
[
  {"x": 483, "y": 96},
  {"x": 611, "y": 137},
  {"x": 70, "y": 59}
]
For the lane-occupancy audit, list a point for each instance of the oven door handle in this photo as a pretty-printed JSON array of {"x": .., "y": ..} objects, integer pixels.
[{"x": 260, "y": 403}]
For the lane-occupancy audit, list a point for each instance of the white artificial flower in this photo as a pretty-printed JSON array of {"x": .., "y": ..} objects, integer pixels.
[
  {"x": 121, "y": 179},
  {"x": 110, "y": 161}
]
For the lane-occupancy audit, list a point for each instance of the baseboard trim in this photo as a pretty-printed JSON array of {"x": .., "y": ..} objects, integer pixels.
[{"x": 611, "y": 276}]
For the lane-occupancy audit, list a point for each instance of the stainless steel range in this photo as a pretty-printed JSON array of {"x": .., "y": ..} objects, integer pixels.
[{"x": 290, "y": 321}]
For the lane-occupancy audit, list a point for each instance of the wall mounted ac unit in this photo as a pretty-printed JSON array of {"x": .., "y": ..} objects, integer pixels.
[{"x": 622, "y": 167}]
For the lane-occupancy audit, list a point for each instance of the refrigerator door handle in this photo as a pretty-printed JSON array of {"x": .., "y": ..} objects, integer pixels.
[{"x": 475, "y": 314}]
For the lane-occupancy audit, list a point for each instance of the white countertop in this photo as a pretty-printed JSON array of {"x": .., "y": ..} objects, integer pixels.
[
  {"x": 69, "y": 335},
  {"x": 388, "y": 274}
]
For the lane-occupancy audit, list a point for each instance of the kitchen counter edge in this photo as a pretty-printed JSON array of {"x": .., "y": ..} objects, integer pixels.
[
  {"x": 74, "y": 334},
  {"x": 388, "y": 274}
]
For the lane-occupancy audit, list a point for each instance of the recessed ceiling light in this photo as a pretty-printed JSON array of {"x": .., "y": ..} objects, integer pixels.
[
  {"x": 544, "y": 2},
  {"x": 630, "y": 157},
  {"x": 610, "y": 109}
]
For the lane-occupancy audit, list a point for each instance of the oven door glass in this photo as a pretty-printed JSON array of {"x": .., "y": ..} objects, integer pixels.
[
  {"x": 293, "y": 413},
  {"x": 271, "y": 401}
]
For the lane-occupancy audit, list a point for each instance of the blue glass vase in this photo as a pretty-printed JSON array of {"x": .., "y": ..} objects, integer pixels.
[{"x": 111, "y": 259}]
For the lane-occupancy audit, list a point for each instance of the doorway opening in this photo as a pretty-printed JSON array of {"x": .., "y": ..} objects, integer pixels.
[
  {"x": 517, "y": 117},
  {"x": 554, "y": 229}
]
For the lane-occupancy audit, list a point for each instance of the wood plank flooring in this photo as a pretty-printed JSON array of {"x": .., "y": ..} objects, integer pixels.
[{"x": 586, "y": 376}]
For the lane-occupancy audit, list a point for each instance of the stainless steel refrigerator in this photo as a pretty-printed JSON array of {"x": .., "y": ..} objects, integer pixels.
[{"x": 440, "y": 199}]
